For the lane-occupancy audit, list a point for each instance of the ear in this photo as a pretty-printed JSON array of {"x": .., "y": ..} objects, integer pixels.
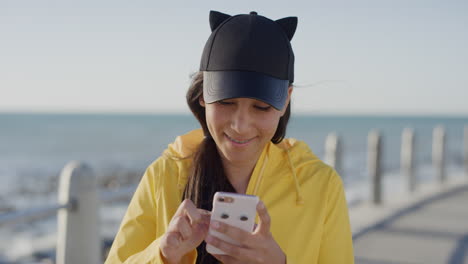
[
  {"x": 216, "y": 18},
  {"x": 201, "y": 101},
  {"x": 290, "y": 89},
  {"x": 289, "y": 25}
]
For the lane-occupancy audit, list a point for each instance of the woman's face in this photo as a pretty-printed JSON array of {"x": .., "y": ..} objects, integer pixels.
[{"x": 241, "y": 127}]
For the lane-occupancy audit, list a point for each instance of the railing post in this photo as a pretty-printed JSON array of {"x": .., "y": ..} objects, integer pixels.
[
  {"x": 407, "y": 158},
  {"x": 333, "y": 152},
  {"x": 374, "y": 166},
  {"x": 465, "y": 150},
  {"x": 438, "y": 153},
  {"x": 78, "y": 227}
]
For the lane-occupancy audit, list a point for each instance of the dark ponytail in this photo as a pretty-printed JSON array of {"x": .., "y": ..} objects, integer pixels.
[{"x": 207, "y": 175}]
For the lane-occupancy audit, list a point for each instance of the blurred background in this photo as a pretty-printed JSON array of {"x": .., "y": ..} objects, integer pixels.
[{"x": 104, "y": 82}]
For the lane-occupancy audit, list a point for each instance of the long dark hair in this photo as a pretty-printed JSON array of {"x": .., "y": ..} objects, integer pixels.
[{"x": 207, "y": 175}]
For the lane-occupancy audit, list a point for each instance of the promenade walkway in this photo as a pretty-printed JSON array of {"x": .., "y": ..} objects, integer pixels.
[{"x": 429, "y": 228}]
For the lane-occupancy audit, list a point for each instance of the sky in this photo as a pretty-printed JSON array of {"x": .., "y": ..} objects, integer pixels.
[{"x": 352, "y": 57}]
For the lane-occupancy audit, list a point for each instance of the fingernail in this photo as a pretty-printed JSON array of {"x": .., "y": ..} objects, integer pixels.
[
  {"x": 205, "y": 212},
  {"x": 261, "y": 205}
]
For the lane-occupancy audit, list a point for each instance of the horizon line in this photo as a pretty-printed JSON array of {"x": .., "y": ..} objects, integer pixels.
[{"x": 188, "y": 113}]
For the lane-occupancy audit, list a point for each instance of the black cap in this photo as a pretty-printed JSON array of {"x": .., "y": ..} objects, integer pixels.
[{"x": 248, "y": 56}]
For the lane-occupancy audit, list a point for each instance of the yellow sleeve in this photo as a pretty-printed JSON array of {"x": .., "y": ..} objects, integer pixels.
[
  {"x": 289, "y": 260},
  {"x": 138, "y": 238},
  {"x": 337, "y": 241}
]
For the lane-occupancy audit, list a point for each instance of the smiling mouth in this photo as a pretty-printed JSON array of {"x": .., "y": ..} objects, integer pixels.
[{"x": 239, "y": 141}]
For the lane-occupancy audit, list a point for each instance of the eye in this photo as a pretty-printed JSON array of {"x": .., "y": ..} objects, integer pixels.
[
  {"x": 222, "y": 102},
  {"x": 263, "y": 108}
]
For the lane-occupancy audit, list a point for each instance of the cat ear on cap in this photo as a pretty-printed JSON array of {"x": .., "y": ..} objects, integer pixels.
[
  {"x": 216, "y": 18},
  {"x": 289, "y": 25}
]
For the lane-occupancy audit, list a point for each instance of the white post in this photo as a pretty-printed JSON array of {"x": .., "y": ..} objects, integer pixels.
[
  {"x": 407, "y": 158},
  {"x": 465, "y": 151},
  {"x": 333, "y": 152},
  {"x": 374, "y": 166},
  {"x": 78, "y": 226},
  {"x": 438, "y": 153}
]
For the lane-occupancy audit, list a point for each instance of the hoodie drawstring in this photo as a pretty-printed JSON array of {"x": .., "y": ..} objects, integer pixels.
[{"x": 299, "y": 199}]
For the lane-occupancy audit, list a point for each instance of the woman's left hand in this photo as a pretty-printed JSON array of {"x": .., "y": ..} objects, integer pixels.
[{"x": 255, "y": 247}]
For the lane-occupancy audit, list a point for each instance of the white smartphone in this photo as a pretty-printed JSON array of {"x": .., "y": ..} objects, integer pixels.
[{"x": 234, "y": 209}]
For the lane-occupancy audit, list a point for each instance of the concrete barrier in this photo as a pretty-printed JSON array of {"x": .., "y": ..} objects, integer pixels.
[{"x": 78, "y": 227}]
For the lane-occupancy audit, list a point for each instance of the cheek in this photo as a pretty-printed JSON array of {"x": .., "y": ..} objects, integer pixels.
[
  {"x": 208, "y": 114},
  {"x": 210, "y": 117},
  {"x": 214, "y": 118},
  {"x": 268, "y": 123}
]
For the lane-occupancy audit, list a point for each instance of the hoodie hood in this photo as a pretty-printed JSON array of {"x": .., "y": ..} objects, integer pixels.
[
  {"x": 184, "y": 146},
  {"x": 294, "y": 152}
]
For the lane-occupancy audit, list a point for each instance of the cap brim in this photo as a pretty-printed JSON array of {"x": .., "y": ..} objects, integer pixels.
[{"x": 220, "y": 85}]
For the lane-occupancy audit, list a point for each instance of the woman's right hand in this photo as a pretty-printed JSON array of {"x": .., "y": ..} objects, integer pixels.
[{"x": 187, "y": 229}]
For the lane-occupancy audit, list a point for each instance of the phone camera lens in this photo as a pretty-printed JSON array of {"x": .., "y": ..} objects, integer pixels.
[
  {"x": 221, "y": 199},
  {"x": 244, "y": 218},
  {"x": 224, "y": 216}
]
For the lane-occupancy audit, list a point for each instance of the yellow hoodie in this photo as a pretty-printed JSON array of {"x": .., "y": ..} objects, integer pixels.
[{"x": 303, "y": 195}]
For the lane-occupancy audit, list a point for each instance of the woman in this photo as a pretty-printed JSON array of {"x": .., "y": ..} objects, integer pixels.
[{"x": 241, "y": 97}]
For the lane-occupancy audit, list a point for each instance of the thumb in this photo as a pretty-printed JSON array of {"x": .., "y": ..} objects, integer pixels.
[{"x": 264, "y": 218}]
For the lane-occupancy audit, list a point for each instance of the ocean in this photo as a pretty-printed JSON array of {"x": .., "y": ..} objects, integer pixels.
[{"x": 119, "y": 147}]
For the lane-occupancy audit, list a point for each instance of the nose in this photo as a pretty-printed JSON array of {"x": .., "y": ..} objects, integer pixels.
[{"x": 240, "y": 120}]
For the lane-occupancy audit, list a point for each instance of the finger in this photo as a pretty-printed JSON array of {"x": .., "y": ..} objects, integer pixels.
[
  {"x": 264, "y": 218},
  {"x": 173, "y": 239},
  {"x": 228, "y": 248},
  {"x": 239, "y": 235},
  {"x": 202, "y": 227},
  {"x": 181, "y": 224},
  {"x": 234, "y": 254},
  {"x": 188, "y": 208},
  {"x": 205, "y": 216}
]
